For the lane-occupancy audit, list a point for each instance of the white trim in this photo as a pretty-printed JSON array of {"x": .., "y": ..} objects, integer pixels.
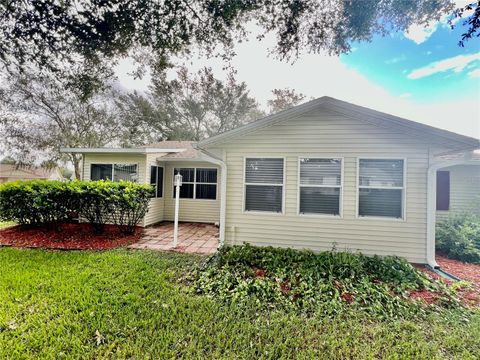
[
  {"x": 340, "y": 209},
  {"x": 258, "y": 212},
  {"x": 194, "y": 183},
  {"x": 119, "y": 150},
  {"x": 404, "y": 190}
]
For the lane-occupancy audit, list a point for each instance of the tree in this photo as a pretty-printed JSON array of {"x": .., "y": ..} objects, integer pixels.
[
  {"x": 189, "y": 107},
  {"x": 472, "y": 22},
  {"x": 40, "y": 116},
  {"x": 52, "y": 33},
  {"x": 284, "y": 99}
]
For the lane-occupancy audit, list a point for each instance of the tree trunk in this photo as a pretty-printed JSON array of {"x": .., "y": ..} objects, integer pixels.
[{"x": 76, "y": 164}]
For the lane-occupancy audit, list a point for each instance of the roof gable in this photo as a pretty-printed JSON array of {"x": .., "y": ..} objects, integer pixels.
[{"x": 407, "y": 127}]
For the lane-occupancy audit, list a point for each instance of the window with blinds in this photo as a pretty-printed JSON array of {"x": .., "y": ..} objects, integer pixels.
[
  {"x": 156, "y": 180},
  {"x": 264, "y": 184},
  {"x": 320, "y": 185},
  {"x": 381, "y": 188},
  {"x": 114, "y": 172},
  {"x": 197, "y": 183}
]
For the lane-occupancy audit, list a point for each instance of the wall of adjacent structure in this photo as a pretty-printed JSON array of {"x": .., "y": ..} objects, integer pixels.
[{"x": 464, "y": 190}]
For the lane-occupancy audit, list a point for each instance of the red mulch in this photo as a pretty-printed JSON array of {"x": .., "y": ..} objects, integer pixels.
[
  {"x": 67, "y": 237},
  {"x": 464, "y": 271}
]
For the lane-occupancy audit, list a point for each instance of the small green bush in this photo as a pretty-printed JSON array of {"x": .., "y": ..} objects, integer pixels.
[
  {"x": 41, "y": 202},
  {"x": 327, "y": 283},
  {"x": 458, "y": 237}
]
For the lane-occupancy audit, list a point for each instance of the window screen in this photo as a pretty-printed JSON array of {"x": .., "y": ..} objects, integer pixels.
[
  {"x": 381, "y": 188},
  {"x": 156, "y": 180},
  {"x": 101, "y": 172},
  {"x": 264, "y": 184},
  {"x": 320, "y": 186},
  {"x": 197, "y": 183},
  {"x": 125, "y": 172}
]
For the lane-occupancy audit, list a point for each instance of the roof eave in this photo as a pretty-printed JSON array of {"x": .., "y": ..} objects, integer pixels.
[{"x": 138, "y": 151}]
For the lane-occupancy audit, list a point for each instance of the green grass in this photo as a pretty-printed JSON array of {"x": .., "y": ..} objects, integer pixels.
[
  {"x": 53, "y": 303},
  {"x": 5, "y": 224}
]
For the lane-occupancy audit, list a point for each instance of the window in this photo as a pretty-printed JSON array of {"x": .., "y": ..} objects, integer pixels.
[
  {"x": 114, "y": 172},
  {"x": 156, "y": 180},
  {"x": 320, "y": 186},
  {"x": 197, "y": 183},
  {"x": 381, "y": 188},
  {"x": 264, "y": 184},
  {"x": 443, "y": 190}
]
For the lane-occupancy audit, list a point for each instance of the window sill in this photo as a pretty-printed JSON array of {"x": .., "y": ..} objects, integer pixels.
[{"x": 381, "y": 218}]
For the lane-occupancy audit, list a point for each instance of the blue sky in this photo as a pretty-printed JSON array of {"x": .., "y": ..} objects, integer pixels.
[
  {"x": 422, "y": 75},
  {"x": 389, "y": 61}
]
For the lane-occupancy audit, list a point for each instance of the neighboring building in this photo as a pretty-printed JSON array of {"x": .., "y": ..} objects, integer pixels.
[
  {"x": 322, "y": 174},
  {"x": 9, "y": 172}
]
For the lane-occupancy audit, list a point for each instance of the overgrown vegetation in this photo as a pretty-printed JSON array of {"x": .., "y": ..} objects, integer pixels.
[
  {"x": 40, "y": 202},
  {"x": 458, "y": 237},
  {"x": 324, "y": 283},
  {"x": 129, "y": 305}
]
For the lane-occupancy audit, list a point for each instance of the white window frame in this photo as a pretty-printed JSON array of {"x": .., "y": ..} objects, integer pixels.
[
  {"x": 195, "y": 182},
  {"x": 244, "y": 211},
  {"x": 403, "y": 188},
  {"x": 299, "y": 185},
  {"x": 163, "y": 181},
  {"x": 113, "y": 169}
]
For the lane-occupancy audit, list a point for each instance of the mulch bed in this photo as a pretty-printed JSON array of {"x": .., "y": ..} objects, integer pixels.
[
  {"x": 464, "y": 271},
  {"x": 67, "y": 237}
]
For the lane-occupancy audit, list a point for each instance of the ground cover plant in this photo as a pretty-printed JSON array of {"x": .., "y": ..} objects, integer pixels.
[
  {"x": 328, "y": 282},
  {"x": 458, "y": 237},
  {"x": 47, "y": 203},
  {"x": 134, "y": 304}
]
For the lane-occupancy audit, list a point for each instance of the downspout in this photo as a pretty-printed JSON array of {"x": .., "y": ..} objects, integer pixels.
[
  {"x": 223, "y": 188},
  {"x": 432, "y": 204}
]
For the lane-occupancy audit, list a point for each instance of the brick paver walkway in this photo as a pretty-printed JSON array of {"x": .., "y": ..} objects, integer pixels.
[{"x": 192, "y": 238}]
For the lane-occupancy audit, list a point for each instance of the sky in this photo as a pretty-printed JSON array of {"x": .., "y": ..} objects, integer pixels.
[{"x": 422, "y": 75}]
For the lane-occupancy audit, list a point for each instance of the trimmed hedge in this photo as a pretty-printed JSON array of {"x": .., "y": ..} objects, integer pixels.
[{"x": 42, "y": 202}]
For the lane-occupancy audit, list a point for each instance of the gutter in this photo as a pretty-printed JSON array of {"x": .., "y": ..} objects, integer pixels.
[{"x": 207, "y": 156}]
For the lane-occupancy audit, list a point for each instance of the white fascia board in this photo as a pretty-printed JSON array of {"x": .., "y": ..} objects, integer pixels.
[{"x": 119, "y": 150}]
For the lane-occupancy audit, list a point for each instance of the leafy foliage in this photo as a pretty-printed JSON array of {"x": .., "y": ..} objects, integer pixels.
[
  {"x": 190, "y": 107},
  {"x": 328, "y": 282},
  {"x": 40, "y": 202},
  {"x": 40, "y": 116},
  {"x": 472, "y": 22},
  {"x": 52, "y": 33},
  {"x": 284, "y": 99},
  {"x": 459, "y": 237}
]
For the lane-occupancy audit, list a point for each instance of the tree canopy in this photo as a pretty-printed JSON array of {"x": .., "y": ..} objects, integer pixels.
[{"x": 55, "y": 35}]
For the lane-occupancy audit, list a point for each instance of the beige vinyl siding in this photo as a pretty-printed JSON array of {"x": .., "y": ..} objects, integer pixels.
[
  {"x": 155, "y": 209},
  {"x": 194, "y": 210},
  {"x": 329, "y": 135},
  {"x": 464, "y": 190}
]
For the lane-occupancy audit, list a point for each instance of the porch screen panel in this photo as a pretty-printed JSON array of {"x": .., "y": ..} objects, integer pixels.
[
  {"x": 125, "y": 172},
  {"x": 101, "y": 172}
]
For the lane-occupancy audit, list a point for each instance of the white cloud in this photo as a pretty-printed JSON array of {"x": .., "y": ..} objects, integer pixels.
[
  {"x": 474, "y": 74},
  {"x": 456, "y": 63},
  {"x": 419, "y": 33},
  {"x": 406, "y": 95}
]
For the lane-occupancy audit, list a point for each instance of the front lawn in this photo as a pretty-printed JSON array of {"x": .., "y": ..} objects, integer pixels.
[
  {"x": 129, "y": 304},
  {"x": 6, "y": 224}
]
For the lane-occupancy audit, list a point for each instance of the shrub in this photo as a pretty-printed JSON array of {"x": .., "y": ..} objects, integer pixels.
[
  {"x": 41, "y": 202},
  {"x": 327, "y": 282},
  {"x": 458, "y": 237},
  {"x": 36, "y": 202}
]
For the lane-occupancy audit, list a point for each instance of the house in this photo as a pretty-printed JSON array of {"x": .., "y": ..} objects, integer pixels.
[
  {"x": 12, "y": 172},
  {"x": 323, "y": 174}
]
